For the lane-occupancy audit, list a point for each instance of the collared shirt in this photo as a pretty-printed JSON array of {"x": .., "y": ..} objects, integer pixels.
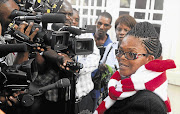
[
  {"x": 49, "y": 77},
  {"x": 90, "y": 62},
  {"x": 108, "y": 40}
]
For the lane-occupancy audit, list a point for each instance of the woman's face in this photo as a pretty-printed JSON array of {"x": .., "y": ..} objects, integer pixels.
[
  {"x": 121, "y": 31},
  {"x": 133, "y": 45}
]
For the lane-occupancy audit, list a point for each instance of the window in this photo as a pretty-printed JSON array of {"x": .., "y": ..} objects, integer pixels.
[
  {"x": 88, "y": 10},
  {"x": 141, "y": 10},
  {"x": 152, "y": 11}
]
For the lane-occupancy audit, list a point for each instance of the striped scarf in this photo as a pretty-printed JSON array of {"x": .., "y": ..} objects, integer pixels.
[{"x": 151, "y": 76}]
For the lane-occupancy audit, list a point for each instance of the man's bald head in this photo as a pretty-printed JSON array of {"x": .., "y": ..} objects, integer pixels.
[
  {"x": 68, "y": 11},
  {"x": 6, "y": 7}
]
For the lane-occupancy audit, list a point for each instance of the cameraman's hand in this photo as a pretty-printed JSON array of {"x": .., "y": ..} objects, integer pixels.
[
  {"x": 14, "y": 97},
  {"x": 27, "y": 31},
  {"x": 11, "y": 99},
  {"x": 66, "y": 59},
  {"x": 23, "y": 56},
  {"x": 22, "y": 27}
]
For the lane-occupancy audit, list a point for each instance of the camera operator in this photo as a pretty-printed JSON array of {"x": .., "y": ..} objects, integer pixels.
[
  {"x": 48, "y": 74},
  {"x": 75, "y": 17},
  {"x": 9, "y": 101},
  {"x": 6, "y": 7},
  {"x": 84, "y": 82},
  {"x": 90, "y": 62}
]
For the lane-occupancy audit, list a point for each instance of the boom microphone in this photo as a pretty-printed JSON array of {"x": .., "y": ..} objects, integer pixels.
[
  {"x": 64, "y": 82},
  {"x": 47, "y": 18}
]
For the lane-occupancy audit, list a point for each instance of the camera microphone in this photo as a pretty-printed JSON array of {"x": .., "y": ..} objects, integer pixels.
[
  {"x": 47, "y": 18},
  {"x": 13, "y": 47},
  {"x": 16, "y": 13},
  {"x": 72, "y": 29},
  {"x": 9, "y": 48}
]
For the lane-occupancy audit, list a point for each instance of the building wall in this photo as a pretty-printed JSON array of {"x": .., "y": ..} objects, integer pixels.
[{"x": 170, "y": 37}]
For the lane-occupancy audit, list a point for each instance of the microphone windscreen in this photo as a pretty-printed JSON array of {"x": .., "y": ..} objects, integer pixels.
[
  {"x": 13, "y": 48},
  {"x": 53, "y": 18},
  {"x": 74, "y": 31},
  {"x": 57, "y": 26}
]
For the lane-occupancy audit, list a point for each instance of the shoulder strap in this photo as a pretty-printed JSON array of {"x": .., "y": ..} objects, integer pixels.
[{"x": 108, "y": 52}]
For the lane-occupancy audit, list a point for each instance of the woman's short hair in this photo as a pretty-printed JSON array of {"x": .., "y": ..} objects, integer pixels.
[{"x": 125, "y": 19}]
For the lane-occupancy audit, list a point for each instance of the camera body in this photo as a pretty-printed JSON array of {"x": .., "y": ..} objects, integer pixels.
[
  {"x": 18, "y": 77},
  {"x": 61, "y": 40}
]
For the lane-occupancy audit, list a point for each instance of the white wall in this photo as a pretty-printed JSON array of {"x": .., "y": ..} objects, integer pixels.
[{"x": 170, "y": 37}]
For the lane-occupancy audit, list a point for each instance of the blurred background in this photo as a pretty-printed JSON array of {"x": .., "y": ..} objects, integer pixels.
[{"x": 163, "y": 14}]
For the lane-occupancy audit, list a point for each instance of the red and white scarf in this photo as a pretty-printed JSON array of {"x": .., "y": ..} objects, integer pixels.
[{"x": 151, "y": 76}]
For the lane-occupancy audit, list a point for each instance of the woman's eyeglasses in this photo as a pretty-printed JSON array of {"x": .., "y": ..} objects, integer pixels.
[{"x": 129, "y": 55}]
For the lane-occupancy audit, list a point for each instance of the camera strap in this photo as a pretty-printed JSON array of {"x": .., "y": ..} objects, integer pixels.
[{"x": 108, "y": 52}]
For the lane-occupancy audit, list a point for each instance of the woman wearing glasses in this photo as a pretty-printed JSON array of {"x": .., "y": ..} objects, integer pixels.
[{"x": 140, "y": 85}]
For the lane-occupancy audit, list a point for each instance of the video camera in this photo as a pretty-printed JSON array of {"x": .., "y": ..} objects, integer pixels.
[
  {"x": 60, "y": 40},
  {"x": 63, "y": 39},
  {"x": 17, "y": 77}
]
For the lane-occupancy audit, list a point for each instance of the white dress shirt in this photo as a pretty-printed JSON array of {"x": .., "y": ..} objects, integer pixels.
[{"x": 90, "y": 62}]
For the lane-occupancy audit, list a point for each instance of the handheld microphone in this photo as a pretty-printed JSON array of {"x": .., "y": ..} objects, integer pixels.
[
  {"x": 46, "y": 18},
  {"x": 64, "y": 82}
]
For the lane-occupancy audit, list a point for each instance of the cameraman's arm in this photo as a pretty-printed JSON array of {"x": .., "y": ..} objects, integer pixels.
[
  {"x": 58, "y": 58},
  {"x": 23, "y": 56}
]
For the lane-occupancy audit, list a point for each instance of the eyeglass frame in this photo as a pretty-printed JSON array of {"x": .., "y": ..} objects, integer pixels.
[{"x": 136, "y": 55}]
